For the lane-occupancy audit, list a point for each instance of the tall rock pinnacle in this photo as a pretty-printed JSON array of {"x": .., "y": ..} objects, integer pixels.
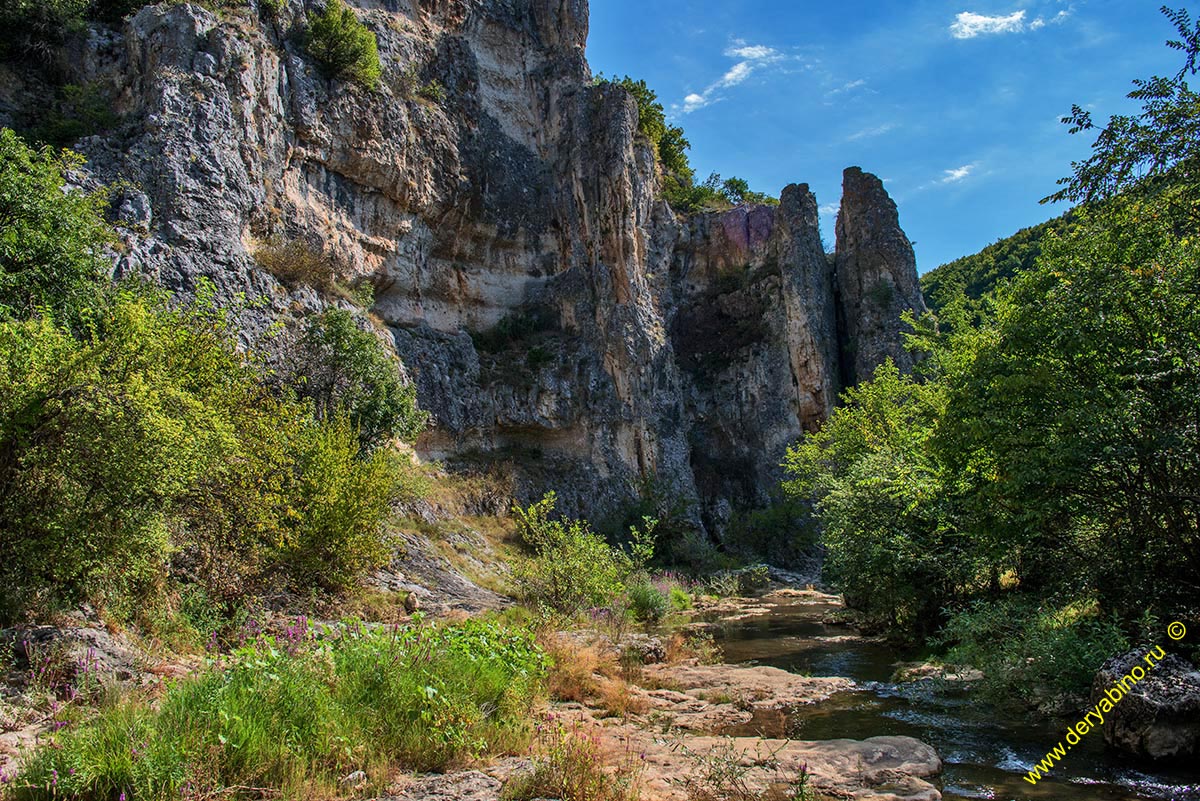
[{"x": 876, "y": 277}]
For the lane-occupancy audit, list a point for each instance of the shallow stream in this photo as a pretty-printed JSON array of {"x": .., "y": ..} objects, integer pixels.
[{"x": 986, "y": 751}]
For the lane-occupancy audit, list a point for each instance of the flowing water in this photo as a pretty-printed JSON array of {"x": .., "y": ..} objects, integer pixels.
[{"x": 986, "y": 751}]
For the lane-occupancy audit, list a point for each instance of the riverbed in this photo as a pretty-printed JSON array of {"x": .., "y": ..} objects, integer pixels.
[{"x": 987, "y": 751}]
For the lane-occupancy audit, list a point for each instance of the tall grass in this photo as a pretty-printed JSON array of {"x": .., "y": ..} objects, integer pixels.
[{"x": 295, "y": 714}]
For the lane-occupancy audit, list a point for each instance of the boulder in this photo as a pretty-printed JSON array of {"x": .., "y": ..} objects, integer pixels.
[{"x": 1159, "y": 717}]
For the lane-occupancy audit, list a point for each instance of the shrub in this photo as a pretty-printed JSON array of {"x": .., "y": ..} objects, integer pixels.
[
  {"x": 783, "y": 534},
  {"x": 680, "y": 600},
  {"x": 342, "y": 369},
  {"x": 648, "y": 603},
  {"x": 572, "y": 567},
  {"x": 297, "y": 262},
  {"x": 53, "y": 238},
  {"x": 512, "y": 330},
  {"x": 104, "y": 435},
  {"x": 79, "y": 110},
  {"x": 342, "y": 46},
  {"x": 1039, "y": 653},
  {"x": 339, "y": 502},
  {"x": 150, "y": 436},
  {"x": 571, "y": 766},
  {"x": 293, "y": 715}
]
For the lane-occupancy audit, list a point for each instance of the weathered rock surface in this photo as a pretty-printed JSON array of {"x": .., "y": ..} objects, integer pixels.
[
  {"x": 1159, "y": 718},
  {"x": 876, "y": 276},
  {"x": 633, "y": 343}
]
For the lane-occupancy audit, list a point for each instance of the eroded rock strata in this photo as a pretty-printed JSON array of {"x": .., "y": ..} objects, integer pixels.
[{"x": 552, "y": 309}]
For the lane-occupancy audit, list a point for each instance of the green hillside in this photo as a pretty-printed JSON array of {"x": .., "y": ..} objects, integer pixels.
[{"x": 978, "y": 274}]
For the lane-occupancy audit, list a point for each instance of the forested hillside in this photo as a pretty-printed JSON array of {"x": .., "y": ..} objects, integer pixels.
[{"x": 976, "y": 275}]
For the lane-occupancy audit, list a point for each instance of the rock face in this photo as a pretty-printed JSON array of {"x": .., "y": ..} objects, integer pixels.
[
  {"x": 1159, "y": 718},
  {"x": 552, "y": 310},
  {"x": 876, "y": 275}
]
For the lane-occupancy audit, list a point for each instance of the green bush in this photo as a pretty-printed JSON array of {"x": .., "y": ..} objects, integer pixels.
[
  {"x": 104, "y": 434},
  {"x": 339, "y": 502},
  {"x": 1040, "y": 653},
  {"x": 648, "y": 603},
  {"x": 880, "y": 498},
  {"x": 297, "y": 713},
  {"x": 52, "y": 241},
  {"x": 572, "y": 568},
  {"x": 78, "y": 110},
  {"x": 343, "y": 46},
  {"x": 679, "y": 598},
  {"x": 784, "y": 534},
  {"x": 340, "y": 368}
]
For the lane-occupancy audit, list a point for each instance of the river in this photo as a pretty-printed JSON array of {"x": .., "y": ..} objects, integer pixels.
[{"x": 986, "y": 751}]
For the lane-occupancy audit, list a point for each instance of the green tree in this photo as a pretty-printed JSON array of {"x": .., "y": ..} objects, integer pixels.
[
  {"x": 1072, "y": 428},
  {"x": 879, "y": 496},
  {"x": 1160, "y": 143},
  {"x": 342, "y": 369},
  {"x": 343, "y": 46},
  {"x": 51, "y": 241}
]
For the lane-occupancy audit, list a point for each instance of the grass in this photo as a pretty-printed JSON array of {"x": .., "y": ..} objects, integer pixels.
[{"x": 293, "y": 714}]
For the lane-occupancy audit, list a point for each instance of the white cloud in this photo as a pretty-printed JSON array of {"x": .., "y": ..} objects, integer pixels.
[
  {"x": 751, "y": 52},
  {"x": 829, "y": 208},
  {"x": 867, "y": 133},
  {"x": 957, "y": 174},
  {"x": 846, "y": 87},
  {"x": 968, "y": 25},
  {"x": 752, "y": 58}
]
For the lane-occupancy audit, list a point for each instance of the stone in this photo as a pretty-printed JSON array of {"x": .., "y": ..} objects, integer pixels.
[
  {"x": 412, "y": 602},
  {"x": 1159, "y": 718},
  {"x": 466, "y": 786}
]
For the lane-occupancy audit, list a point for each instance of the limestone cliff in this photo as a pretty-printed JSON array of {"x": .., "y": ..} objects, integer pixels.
[{"x": 553, "y": 311}]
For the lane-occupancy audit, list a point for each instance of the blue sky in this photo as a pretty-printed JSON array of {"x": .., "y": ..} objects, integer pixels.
[{"x": 955, "y": 103}]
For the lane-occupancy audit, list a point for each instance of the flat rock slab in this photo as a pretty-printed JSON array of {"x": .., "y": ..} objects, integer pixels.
[
  {"x": 876, "y": 769},
  {"x": 758, "y": 687}
]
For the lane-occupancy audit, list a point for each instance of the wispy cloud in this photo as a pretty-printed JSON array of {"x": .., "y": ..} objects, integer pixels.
[
  {"x": 751, "y": 58},
  {"x": 868, "y": 133},
  {"x": 846, "y": 87},
  {"x": 958, "y": 174},
  {"x": 969, "y": 25}
]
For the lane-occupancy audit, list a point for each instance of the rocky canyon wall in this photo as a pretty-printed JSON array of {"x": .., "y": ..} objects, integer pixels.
[{"x": 553, "y": 311}]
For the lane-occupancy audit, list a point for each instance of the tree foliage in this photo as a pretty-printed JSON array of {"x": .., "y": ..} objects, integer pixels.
[
  {"x": 1048, "y": 460},
  {"x": 343, "y": 46},
  {"x": 973, "y": 277},
  {"x": 1161, "y": 142},
  {"x": 51, "y": 241},
  {"x": 571, "y": 567},
  {"x": 139, "y": 446},
  {"x": 342, "y": 369}
]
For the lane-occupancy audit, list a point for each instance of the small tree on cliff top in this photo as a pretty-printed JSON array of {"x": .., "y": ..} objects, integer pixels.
[{"x": 343, "y": 46}]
